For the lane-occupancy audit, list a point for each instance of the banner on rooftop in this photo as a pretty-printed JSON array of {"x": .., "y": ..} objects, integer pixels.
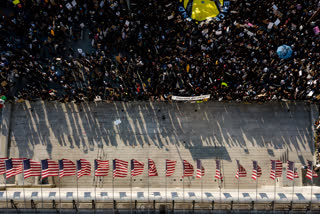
[{"x": 200, "y": 10}]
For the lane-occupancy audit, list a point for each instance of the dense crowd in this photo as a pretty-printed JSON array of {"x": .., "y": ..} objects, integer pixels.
[{"x": 151, "y": 53}]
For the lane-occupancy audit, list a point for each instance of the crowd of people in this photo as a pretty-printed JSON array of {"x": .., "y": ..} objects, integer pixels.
[{"x": 150, "y": 52}]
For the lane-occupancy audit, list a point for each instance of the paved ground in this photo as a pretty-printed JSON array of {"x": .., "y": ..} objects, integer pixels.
[{"x": 176, "y": 131}]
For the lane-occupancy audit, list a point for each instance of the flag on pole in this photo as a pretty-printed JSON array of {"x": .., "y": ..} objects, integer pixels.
[
  {"x": 152, "y": 168},
  {"x": 187, "y": 169},
  {"x": 2, "y": 165},
  {"x": 170, "y": 167},
  {"x": 136, "y": 168},
  {"x": 120, "y": 168},
  {"x": 101, "y": 167},
  {"x": 31, "y": 168},
  {"x": 241, "y": 171},
  {"x": 200, "y": 169},
  {"x": 296, "y": 175},
  {"x": 13, "y": 166},
  {"x": 276, "y": 169},
  {"x": 290, "y": 170},
  {"x": 310, "y": 172},
  {"x": 66, "y": 168},
  {"x": 256, "y": 172},
  {"x": 218, "y": 170},
  {"x": 83, "y": 168},
  {"x": 49, "y": 168}
]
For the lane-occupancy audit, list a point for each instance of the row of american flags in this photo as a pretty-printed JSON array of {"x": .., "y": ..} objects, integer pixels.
[{"x": 82, "y": 167}]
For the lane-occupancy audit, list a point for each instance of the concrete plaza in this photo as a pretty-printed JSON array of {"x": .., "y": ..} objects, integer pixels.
[{"x": 156, "y": 130}]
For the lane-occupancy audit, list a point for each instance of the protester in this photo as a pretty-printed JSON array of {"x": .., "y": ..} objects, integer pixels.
[{"x": 142, "y": 54}]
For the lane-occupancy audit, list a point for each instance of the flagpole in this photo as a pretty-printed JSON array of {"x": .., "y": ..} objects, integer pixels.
[
  {"x": 257, "y": 183},
  {"x": 238, "y": 189},
  {"x": 148, "y": 182},
  {"x": 77, "y": 190},
  {"x": 59, "y": 191},
  {"x": 220, "y": 185},
  {"x": 311, "y": 192},
  {"x": 294, "y": 174},
  {"x": 257, "y": 188},
  {"x": 113, "y": 192},
  {"x": 95, "y": 188},
  {"x": 275, "y": 188},
  {"x": 183, "y": 186},
  {"x": 131, "y": 191},
  {"x": 5, "y": 186},
  {"x": 201, "y": 185},
  {"x": 24, "y": 194},
  {"x": 41, "y": 186},
  {"x": 166, "y": 189}
]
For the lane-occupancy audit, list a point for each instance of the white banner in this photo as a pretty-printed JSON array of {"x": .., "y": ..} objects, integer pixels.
[{"x": 202, "y": 97}]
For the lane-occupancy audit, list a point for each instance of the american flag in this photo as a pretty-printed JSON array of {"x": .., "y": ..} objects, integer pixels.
[
  {"x": 13, "y": 166},
  {"x": 276, "y": 169},
  {"x": 49, "y": 168},
  {"x": 296, "y": 175},
  {"x": 170, "y": 167},
  {"x": 152, "y": 168},
  {"x": 241, "y": 171},
  {"x": 120, "y": 168},
  {"x": 2, "y": 166},
  {"x": 256, "y": 172},
  {"x": 136, "y": 168},
  {"x": 200, "y": 169},
  {"x": 83, "y": 168},
  {"x": 187, "y": 169},
  {"x": 218, "y": 170},
  {"x": 309, "y": 170},
  {"x": 290, "y": 170},
  {"x": 31, "y": 168},
  {"x": 66, "y": 168},
  {"x": 101, "y": 167}
]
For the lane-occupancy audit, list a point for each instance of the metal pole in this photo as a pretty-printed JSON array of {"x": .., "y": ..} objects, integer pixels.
[
  {"x": 113, "y": 192},
  {"x": 41, "y": 188},
  {"x": 59, "y": 192},
  {"x": 183, "y": 188},
  {"x": 131, "y": 192},
  {"x": 24, "y": 194},
  {"x": 166, "y": 190},
  {"x": 257, "y": 188},
  {"x": 275, "y": 189},
  {"x": 148, "y": 181},
  {"x": 5, "y": 186},
  {"x": 77, "y": 190},
  {"x": 311, "y": 194},
  {"x": 95, "y": 189},
  {"x": 201, "y": 186},
  {"x": 238, "y": 190},
  {"x": 294, "y": 172}
]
